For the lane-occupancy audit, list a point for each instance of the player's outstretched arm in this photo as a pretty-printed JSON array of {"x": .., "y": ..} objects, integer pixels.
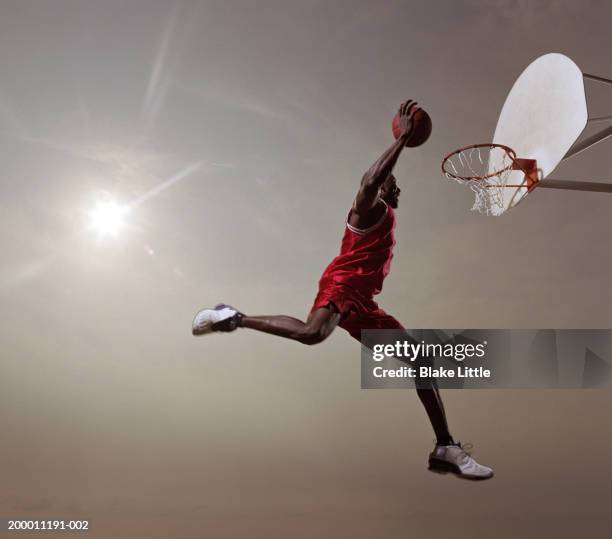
[{"x": 376, "y": 175}]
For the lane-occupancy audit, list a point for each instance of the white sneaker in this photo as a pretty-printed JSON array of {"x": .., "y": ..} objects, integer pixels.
[
  {"x": 456, "y": 460},
  {"x": 221, "y": 318}
]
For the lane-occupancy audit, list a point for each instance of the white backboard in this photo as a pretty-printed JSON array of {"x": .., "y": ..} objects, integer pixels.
[{"x": 544, "y": 113}]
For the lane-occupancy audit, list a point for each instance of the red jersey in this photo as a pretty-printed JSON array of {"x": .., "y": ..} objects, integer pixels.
[{"x": 365, "y": 257}]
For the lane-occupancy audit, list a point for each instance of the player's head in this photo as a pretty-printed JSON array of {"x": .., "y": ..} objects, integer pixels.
[{"x": 390, "y": 192}]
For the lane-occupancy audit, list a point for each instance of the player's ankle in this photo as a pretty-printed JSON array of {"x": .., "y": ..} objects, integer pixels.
[{"x": 445, "y": 440}]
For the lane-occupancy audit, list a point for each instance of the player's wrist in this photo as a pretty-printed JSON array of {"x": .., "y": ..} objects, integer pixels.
[{"x": 404, "y": 137}]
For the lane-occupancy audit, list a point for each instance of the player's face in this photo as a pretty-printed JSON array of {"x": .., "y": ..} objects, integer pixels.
[{"x": 390, "y": 192}]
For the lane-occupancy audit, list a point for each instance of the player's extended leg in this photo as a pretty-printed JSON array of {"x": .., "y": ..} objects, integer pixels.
[
  {"x": 447, "y": 456},
  {"x": 432, "y": 401},
  {"x": 319, "y": 325},
  {"x": 427, "y": 389}
]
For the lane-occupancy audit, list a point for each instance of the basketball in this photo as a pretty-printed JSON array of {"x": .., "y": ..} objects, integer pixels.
[{"x": 422, "y": 128}]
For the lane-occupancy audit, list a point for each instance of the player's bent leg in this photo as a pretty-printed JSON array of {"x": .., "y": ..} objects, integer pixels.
[
  {"x": 321, "y": 322},
  {"x": 319, "y": 325}
]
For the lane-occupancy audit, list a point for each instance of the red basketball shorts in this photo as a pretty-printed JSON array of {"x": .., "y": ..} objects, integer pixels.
[{"x": 357, "y": 311}]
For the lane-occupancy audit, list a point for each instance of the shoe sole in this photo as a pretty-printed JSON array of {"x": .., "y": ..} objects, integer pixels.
[
  {"x": 206, "y": 328},
  {"x": 443, "y": 468},
  {"x": 202, "y": 330}
]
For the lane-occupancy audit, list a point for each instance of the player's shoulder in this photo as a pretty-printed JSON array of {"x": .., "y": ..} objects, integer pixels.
[{"x": 365, "y": 224}]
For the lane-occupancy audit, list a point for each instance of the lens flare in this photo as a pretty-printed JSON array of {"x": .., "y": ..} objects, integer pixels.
[{"x": 108, "y": 218}]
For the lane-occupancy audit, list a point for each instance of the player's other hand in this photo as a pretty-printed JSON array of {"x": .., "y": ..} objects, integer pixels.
[{"x": 406, "y": 114}]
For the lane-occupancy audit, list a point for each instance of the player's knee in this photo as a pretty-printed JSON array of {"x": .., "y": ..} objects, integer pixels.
[{"x": 312, "y": 335}]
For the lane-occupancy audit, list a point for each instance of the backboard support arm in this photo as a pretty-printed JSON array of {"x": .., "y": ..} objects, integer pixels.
[
  {"x": 588, "y": 142},
  {"x": 597, "y": 79},
  {"x": 599, "y": 119},
  {"x": 597, "y": 137},
  {"x": 595, "y": 187}
]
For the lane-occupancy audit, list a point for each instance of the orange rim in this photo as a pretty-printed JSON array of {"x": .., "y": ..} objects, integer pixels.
[{"x": 528, "y": 166}]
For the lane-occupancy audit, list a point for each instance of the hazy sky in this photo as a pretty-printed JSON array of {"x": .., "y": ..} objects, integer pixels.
[{"x": 270, "y": 112}]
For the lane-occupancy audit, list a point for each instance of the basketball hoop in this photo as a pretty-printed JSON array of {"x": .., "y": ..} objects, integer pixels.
[{"x": 486, "y": 169}]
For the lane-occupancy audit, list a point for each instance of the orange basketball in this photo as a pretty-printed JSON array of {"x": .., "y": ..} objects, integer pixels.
[{"x": 422, "y": 128}]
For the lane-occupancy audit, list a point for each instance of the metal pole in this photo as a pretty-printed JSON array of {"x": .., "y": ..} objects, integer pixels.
[
  {"x": 588, "y": 142},
  {"x": 596, "y": 78},
  {"x": 599, "y": 118},
  {"x": 595, "y": 187}
]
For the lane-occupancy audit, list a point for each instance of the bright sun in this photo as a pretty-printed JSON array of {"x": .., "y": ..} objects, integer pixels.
[{"x": 107, "y": 218}]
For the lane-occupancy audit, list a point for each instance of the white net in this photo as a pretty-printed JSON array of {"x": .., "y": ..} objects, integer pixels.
[{"x": 485, "y": 169}]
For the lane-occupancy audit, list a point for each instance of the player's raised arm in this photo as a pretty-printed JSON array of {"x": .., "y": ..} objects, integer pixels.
[{"x": 376, "y": 175}]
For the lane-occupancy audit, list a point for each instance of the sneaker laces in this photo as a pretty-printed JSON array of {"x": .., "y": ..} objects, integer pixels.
[{"x": 465, "y": 448}]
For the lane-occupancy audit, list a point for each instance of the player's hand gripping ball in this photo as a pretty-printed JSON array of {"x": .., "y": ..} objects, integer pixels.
[{"x": 421, "y": 129}]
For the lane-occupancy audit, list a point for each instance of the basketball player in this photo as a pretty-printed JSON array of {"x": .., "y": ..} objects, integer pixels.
[{"x": 346, "y": 292}]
